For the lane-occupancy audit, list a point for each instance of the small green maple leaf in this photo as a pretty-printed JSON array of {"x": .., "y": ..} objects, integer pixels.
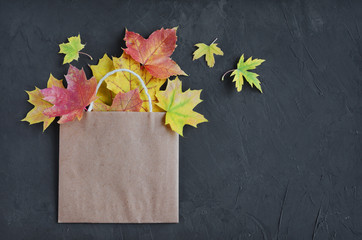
[
  {"x": 243, "y": 71},
  {"x": 71, "y": 49},
  {"x": 208, "y": 51}
]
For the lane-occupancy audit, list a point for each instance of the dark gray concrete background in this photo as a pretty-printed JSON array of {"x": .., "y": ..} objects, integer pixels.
[{"x": 286, "y": 164}]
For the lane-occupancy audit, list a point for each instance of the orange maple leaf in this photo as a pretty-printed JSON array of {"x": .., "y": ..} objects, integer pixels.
[
  {"x": 124, "y": 102},
  {"x": 70, "y": 103},
  {"x": 154, "y": 53}
]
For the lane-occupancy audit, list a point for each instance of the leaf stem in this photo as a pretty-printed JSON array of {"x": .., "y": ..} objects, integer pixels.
[
  {"x": 214, "y": 41},
  {"x": 223, "y": 76},
  {"x": 86, "y": 55}
]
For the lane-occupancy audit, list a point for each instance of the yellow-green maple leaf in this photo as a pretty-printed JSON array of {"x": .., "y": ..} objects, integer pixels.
[
  {"x": 179, "y": 106},
  {"x": 208, "y": 51},
  {"x": 71, "y": 49},
  {"x": 125, "y": 81},
  {"x": 36, "y": 98},
  {"x": 104, "y": 66},
  {"x": 243, "y": 71}
]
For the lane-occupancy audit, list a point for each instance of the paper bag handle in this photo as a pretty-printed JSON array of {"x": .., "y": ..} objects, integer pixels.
[{"x": 123, "y": 70}]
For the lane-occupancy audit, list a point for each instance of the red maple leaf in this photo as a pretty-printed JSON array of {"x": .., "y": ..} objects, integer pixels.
[
  {"x": 70, "y": 103},
  {"x": 154, "y": 53}
]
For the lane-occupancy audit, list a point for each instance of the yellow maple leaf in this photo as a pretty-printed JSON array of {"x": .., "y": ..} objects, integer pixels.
[
  {"x": 52, "y": 81},
  {"x": 125, "y": 81},
  {"x": 105, "y": 65},
  {"x": 36, "y": 98},
  {"x": 179, "y": 106},
  {"x": 208, "y": 51}
]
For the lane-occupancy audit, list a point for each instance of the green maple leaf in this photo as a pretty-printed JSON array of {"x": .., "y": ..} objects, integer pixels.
[
  {"x": 208, "y": 51},
  {"x": 71, "y": 49},
  {"x": 243, "y": 71}
]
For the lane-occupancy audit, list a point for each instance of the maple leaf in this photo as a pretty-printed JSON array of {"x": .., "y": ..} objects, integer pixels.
[
  {"x": 71, "y": 49},
  {"x": 36, "y": 114},
  {"x": 104, "y": 66},
  {"x": 52, "y": 81},
  {"x": 208, "y": 51},
  {"x": 154, "y": 53},
  {"x": 125, "y": 102},
  {"x": 242, "y": 72},
  {"x": 69, "y": 103},
  {"x": 179, "y": 106},
  {"x": 36, "y": 98},
  {"x": 125, "y": 81}
]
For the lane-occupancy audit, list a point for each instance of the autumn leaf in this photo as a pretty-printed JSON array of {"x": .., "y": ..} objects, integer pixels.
[
  {"x": 71, "y": 49},
  {"x": 104, "y": 66},
  {"x": 208, "y": 51},
  {"x": 243, "y": 71},
  {"x": 179, "y": 106},
  {"x": 154, "y": 53},
  {"x": 69, "y": 103},
  {"x": 125, "y": 81},
  {"x": 36, "y": 114},
  {"x": 52, "y": 81},
  {"x": 36, "y": 98},
  {"x": 124, "y": 102}
]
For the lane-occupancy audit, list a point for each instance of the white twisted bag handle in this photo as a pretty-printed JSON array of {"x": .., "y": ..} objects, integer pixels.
[{"x": 124, "y": 70}]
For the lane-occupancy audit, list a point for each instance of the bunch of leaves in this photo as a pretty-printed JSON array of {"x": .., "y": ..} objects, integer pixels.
[
  {"x": 243, "y": 71},
  {"x": 123, "y": 82},
  {"x": 149, "y": 58}
]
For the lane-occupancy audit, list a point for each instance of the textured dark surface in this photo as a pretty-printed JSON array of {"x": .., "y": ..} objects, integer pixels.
[{"x": 285, "y": 164}]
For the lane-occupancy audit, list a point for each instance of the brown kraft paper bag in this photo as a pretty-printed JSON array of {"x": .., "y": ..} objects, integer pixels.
[{"x": 118, "y": 167}]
